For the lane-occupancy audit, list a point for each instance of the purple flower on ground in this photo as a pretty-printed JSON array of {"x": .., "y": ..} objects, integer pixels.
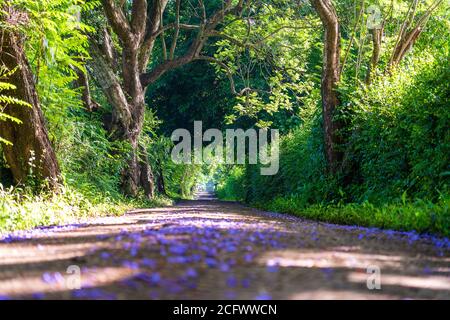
[
  {"x": 231, "y": 248},
  {"x": 274, "y": 244},
  {"x": 412, "y": 238},
  {"x": 248, "y": 257},
  {"x": 129, "y": 283},
  {"x": 172, "y": 287},
  {"x": 149, "y": 263},
  {"x": 196, "y": 257},
  {"x": 427, "y": 270},
  {"x": 273, "y": 268},
  {"x": 93, "y": 294},
  {"x": 155, "y": 278},
  {"x": 232, "y": 281},
  {"x": 163, "y": 240},
  {"x": 191, "y": 285},
  {"x": 328, "y": 272},
  {"x": 178, "y": 249},
  {"x": 231, "y": 262},
  {"x": 245, "y": 282},
  {"x": 211, "y": 262},
  {"x": 49, "y": 277},
  {"x": 263, "y": 296},
  {"x": 134, "y": 251},
  {"x": 191, "y": 273},
  {"x": 211, "y": 252},
  {"x": 130, "y": 265},
  {"x": 142, "y": 276},
  {"x": 105, "y": 255},
  {"x": 224, "y": 267},
  {"x": 38, "y": 295},
  {"x": 154, "y": 295},
  {"x": 179, "y": 259},
  {"x": 230, "y": 295}
]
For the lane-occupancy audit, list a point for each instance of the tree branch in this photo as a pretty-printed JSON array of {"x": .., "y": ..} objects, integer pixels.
[
  {"x": 118, "y": 21},
  {"x": 177, "y": 31},
  {"x": 153, "y": 25},
  {"x": 139, "y": 18},
  {"x": 228, "y": 74},
  {"x": 109, "y": 83},
  {"x": 205, "y": 31}
]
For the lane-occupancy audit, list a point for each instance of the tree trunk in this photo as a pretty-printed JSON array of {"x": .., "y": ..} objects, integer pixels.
[
  {"x": 376, "y": 42},
  {"x": 330, "y": 78},
  {"x": 127, "y": 118},
  {"x": 124, "y": 85},
  {"x": 146, "y": 175},
  {"x": 404, "y": 46},
  {"x": 160, "y": 184},
  {"x": 82, "y": 82},
  {"x": 130, "y": 178},
  {"x": 31, "y": 153},
  {"x": 407, "y": 39}
]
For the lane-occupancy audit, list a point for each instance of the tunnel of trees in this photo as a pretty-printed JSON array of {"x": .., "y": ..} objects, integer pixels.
[{"x": 90, "y": 92}]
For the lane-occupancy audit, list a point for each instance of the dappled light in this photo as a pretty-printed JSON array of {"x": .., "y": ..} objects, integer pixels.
[
  {"x": 204, "y": 249},
  {"x": 424, "y": 282},
  {"x": 224, "y": 150}
]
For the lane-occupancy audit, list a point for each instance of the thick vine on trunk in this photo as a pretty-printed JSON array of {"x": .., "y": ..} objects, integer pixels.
[
  {"x": 330, "y": 78},
  {"x": 31, "y": 154}
]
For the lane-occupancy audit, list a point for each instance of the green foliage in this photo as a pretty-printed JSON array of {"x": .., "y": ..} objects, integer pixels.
[
  {"x": 6, "y": 100},
  {"x": 91, "y": 164},
  {"x": 22, "y": 209},
  {"x": 230, "y": 184},
  {"x": 188, "y": 94},
  {"x": 98, "y": 164},
  {"x": 269, "y": 61},
  {"x": 400, "y": 136},
  {"x": 421, "y": 216},
  {"x": 396, "y": 165}
]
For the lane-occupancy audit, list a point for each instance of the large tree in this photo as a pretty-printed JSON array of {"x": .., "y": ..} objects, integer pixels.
[
  {"x": 121, "y": 69},
  {"x": 30, "y": 153},
  {"x": 330, "y": 78}
]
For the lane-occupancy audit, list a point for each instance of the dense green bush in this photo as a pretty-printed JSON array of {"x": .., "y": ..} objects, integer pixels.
[
  {"x": 22, "y": 209},
  {"x": 231, "y": 183},
  {"x": 400, "y": 134},
  {"x": 396, "y": 164},
  {"x": 421, "y": 216}
]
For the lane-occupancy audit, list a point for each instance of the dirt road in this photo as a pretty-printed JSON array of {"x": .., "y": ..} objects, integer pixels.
[{"x": 207, "y": 249}]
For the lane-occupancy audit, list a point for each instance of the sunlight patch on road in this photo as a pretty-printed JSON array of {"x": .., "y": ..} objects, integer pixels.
[
  {"x": 325, "y": 294},
  {"x": 27, "y": 285},
  {"x": 328, "y": 259},
  {"x": 425, "y": 282},
  {"x": 42, "y": 253}
]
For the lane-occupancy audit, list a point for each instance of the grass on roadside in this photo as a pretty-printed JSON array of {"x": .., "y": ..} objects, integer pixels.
[
  {"x": 22, "y": 210},
  {"x": 421, "y": 216}
]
